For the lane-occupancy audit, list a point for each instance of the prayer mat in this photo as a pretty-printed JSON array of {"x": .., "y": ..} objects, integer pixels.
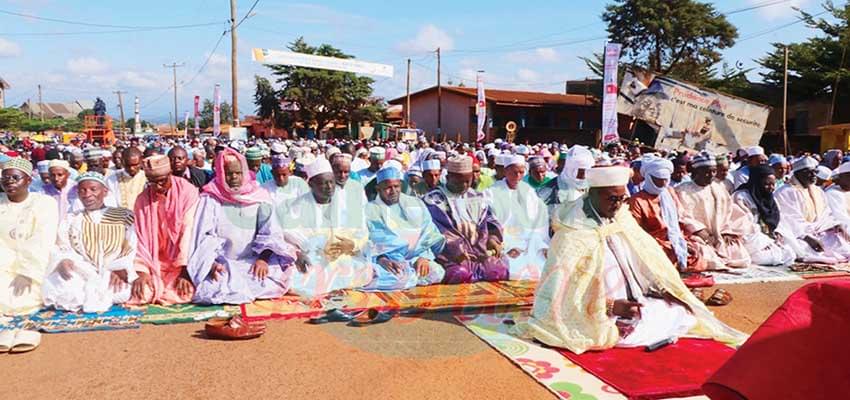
[
  {"x": 466, "y": 296},
  {"x": 565, "y": 379},
  {"x": 677, "y": 370},
  {"x": 183, "y": 313},
  {"x": 815, "y": 271},
  {"x": 54, "y": 321},
  {"x": 754, "y": 274}
]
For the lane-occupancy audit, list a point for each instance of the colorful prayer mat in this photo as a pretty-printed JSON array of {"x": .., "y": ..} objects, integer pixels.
[
  {"x": 426, "y": 298},
  {"x": 183, "y": 313},
  {"x": 815, "y": 271},
  {"x": 754, "y": 274},
  {"x": 547, "y": 366},
  {"x": 53, "y": 321}
]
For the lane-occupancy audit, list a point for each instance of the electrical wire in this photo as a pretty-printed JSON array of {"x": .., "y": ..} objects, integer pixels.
[{"x": 70, "y": 22}]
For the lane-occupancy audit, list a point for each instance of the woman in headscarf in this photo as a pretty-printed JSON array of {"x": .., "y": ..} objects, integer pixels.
[
  {"x": 234, "y": 258},
  {"x": 766, "y": 245}
]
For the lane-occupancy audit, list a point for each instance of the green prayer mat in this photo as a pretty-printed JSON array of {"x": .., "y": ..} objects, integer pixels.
[{"x": 183, "y": 313}]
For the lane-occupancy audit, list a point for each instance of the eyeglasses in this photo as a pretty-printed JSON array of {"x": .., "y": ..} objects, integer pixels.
[
  {"x": 618, "y": 199},
  {"x": 12, "y": 178}
]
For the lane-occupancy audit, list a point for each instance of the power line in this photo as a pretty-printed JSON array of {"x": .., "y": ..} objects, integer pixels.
[
  {"x": 164, "y": 28},
  {"x": 247, "y": 14},
  {"x": 776, "y": 28},
  {"x": 756, "y": 6},
  {"x": 70, "y": 22},
  {"x": 209, "y": 57}
]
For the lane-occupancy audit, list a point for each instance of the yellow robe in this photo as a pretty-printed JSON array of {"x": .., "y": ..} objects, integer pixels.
[
  {"x": 570, "y": 305},
  {"x": 27, "y": 236}
]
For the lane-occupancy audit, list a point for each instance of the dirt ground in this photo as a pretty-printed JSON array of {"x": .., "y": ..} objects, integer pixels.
[{"x": 429, "y": 358}]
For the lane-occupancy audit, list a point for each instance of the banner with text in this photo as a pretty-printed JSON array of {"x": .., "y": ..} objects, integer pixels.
[
  {"x": 217, "y": 110},
  {"x": 688, "y": 117},
  {"x": 481, "y": 108},
  {"x": 277, "y": 57},
  {"x": 609, "y": 95}
]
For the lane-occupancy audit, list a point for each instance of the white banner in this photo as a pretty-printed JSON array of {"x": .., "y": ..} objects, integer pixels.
[
  {"x": 186, "y": 125},
  {"x": 137, "y": 123},
  {"x": 481, "y": 108},
  {"x": 609, "y": 94},
  {"x": 689, "y": 117},
  {"x": 217, "y": 110},
  {"x": 277, "y": 57}
]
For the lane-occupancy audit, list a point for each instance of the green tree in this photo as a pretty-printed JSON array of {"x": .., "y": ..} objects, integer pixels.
[
  {"x": 818, "y": 67},
  {"x": 11, "y": 118},
  {"x": 82, "y": 115},
  {"x": 267, "y": 100},
  {"x": 207, "y": 114},
  {"x": 677, "y": 38},
  {"x": 318, "y": 95}
]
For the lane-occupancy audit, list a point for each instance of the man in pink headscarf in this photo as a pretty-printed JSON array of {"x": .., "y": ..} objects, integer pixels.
[
  {"x": 165, "y": 214},
  {"x": 235, "y": 259}
]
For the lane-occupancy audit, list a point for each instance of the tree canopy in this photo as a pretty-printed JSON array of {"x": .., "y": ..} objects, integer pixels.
[
  {"x": 317, "y": 96},
  {"x": 678, "y": 38}
]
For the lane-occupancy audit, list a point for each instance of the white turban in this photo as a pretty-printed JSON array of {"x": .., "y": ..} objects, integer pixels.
[
  {"x": 579, "y": 157},
  {"x": 660, "y": 168}
]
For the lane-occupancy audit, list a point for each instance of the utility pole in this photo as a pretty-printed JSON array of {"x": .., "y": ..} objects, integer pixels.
[
  {"x": 835, "y": 86},
  {"x": 121, "y": 111},
  {"x": 173, "y": 67},
  {"x": 407, "y": 105},
  {"x": 173, "y": 127},
  {"x": 785, "y": 106},
  {"x": 40, "y": 105},
  {"x": 234, "y": 103},
  {"x": 439, "y": 98}
]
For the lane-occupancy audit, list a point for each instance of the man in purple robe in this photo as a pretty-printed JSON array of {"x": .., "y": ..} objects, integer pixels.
[{"x": 473, "y": 250}]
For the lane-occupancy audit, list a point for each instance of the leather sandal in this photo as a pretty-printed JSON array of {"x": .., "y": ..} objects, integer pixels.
[
  {"x": 334, "y": 315},
  {"x": 233, "y": 329},
  {"x": 699, "y": 293},
  {"x": 373, "y": 317},
  {"x": 721, "y": 297}
]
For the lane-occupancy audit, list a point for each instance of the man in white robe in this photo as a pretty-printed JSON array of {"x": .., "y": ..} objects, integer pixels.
[
  {"x": 331, "y": 238},
  {"x": 128, "y": 183},
  {"x": 608, "y": 284},
  {"x": 814, "y": 233},
  {"x": 92, "y": 267},
  {"x": 403, "y": 237},
  {"x": 524, "y": 219},
  {"x": 838, "y": 196},
  {"x": 285, "y": 187},
  {"x": 715, "y": 219}
]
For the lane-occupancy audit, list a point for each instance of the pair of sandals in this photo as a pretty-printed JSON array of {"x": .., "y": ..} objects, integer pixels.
[
  {"x": 720, "y": 297},
  {"x": 233, "y": 329},
  {"x": 357, "y": 319},
  {"x": 19, "y": 340}
]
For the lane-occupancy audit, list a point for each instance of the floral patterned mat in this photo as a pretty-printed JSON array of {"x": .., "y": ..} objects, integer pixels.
[{"x": 555, "y": 372}]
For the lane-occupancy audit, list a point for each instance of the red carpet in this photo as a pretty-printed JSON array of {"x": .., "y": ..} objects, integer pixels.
[
  {"x": 799, "y": 352},
  {"x": 674, "y": 371}
]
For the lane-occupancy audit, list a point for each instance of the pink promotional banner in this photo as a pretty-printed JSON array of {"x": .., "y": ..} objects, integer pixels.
[
  {"x": 481, "y": 108},
  {"x": 217, "y": 110},
  {"x": 197, "y": 116},
  {"x": 609, "y": 94}
]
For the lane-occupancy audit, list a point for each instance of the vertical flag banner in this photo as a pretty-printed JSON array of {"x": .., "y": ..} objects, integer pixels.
[
  {"x": 186, "y": 124},
  {"x": 217, "y": 110},
  {"x": 609, "y": 94},
  {"x": 197, "y": 116},
  {"x": 481, "y": 108},
  {"x": 137, "y": 125}
]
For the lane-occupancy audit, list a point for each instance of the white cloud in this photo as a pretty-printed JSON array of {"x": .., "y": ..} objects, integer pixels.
[
  {"x": 138, "y": 80},
  {"x": 428, "y": 38},
  {"x": 547, "y": 54},
  {"x": 86, "y": 66},
  {"x": 780, "y": 10},
  {"x": 527, "y": 75},
  {"x": 9, "y": 48},
  {"x": 537, "y": 56}
]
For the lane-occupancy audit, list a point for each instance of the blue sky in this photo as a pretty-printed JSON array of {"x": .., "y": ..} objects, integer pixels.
[{"x": 529, "y": 45}]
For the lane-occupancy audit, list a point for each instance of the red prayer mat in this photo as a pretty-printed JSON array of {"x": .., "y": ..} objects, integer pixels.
[
  {"x": 677, "y": 370},
  {"x": 800, "y": 352}
]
